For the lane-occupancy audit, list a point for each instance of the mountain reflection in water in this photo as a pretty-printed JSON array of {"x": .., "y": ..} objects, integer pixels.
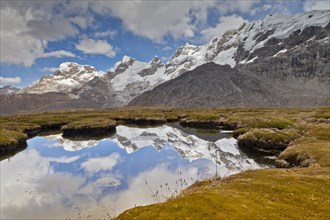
[{"x": 60, "y": 178}]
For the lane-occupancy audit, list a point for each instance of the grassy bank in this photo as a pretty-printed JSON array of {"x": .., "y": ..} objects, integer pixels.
[
  {"x": 299, "y": 137},
  {"x": 261, "y": 194}
]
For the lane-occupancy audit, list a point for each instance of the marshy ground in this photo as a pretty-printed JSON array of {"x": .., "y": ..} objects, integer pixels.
[{"x": 299, "y": 137}]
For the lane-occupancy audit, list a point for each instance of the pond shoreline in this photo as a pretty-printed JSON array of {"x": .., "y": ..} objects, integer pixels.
[{"x": 299, "y": 137}]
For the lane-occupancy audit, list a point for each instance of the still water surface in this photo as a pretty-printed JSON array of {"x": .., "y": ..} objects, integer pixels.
[{"x": 57, "y": 178}]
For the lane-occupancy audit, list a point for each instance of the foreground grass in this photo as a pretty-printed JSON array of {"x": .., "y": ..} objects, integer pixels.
[
  {"x": 299, "y": 137},
  {"x": 262, "y": 194}
]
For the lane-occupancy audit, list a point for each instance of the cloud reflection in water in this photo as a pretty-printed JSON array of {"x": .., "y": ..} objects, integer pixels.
[{"x": 61, "y": 178}]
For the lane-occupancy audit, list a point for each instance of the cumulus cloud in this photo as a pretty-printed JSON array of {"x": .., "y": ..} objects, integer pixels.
[
  {"x": 243, "y": 6},
  {"x": 101, "y": 163},
  {"x": 25, "y": 33},
  {"x": 17, "y": 47},
  {"x": 155, "y": 20},
  {"x": 10, "y": 80},
  {"x": 79, "y": 21},
  {"x": 178, "y": 19},
  {"x": 225, "y": 23},
  {"x": 316, "y": 5},
  {"x": 56, "y": 29},
  {"x": 91, "y": 46}
]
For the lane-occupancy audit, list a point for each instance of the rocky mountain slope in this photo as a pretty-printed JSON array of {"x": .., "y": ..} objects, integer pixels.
[
  {"x": 279, "y": 61},
  {"x": 213, "y": 85}
]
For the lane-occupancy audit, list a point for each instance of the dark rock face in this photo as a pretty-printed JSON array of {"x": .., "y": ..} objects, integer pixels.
[
  {"x": 209, "y": 85},
  {"x": 306, "y": 55},
  {"x": 212, "y": 85}
]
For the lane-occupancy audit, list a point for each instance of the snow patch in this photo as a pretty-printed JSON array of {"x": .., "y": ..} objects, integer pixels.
[
  {"x": 279, "y": 52},
  {"x": 226, "y": 57}
]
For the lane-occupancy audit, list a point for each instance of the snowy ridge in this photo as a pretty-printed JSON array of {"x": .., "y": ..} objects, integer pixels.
[
  {"x": 132, "y": 72},
  {"x": 67, "y": 77},
  {"x": 222, "y": 50},
  {"x": 7, "y": 90}
]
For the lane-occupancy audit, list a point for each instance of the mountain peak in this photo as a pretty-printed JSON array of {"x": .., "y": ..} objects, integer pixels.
[
  {"x": 155, "y": 60},
  {"x": 8, "y": 89},
  {"x": 74, "y": 68},
  {"x": 127, "y": 59},
  {"x": 68, "y": 76}
]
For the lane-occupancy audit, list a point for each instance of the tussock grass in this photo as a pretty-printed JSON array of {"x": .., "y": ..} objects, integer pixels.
[
  {"x": 10, "y": 137},
  {"x": 267, "y": 139},
  {"x": 90, "y": 124},
  {"x": 260, "y": 194}
]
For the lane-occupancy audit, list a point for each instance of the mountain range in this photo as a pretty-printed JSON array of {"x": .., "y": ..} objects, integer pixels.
[{"x": 281, "y": 61}]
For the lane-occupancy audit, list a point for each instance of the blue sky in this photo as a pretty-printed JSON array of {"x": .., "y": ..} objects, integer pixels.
[{"x": 37, "y": 36}]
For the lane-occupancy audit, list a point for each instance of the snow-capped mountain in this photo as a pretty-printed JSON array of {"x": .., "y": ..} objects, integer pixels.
[
  {"x": 239, "y": 46},
  {"x": 130, "y": 71},
  {"x": 285, "y": 52},
  {"x": 280, "y": 61},
  {"x": 6, "y": 90},
  {"x": 67, "y": 77},
  {"x": 130, "y": 78}
]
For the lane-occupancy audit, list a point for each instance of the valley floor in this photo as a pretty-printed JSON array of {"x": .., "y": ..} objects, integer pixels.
[{"x": 299, "y": 137}]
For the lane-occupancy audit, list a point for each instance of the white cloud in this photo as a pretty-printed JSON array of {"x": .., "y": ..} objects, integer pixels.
[
  {"x": 59, "y": 53},
  {"x": 90, "y": 46},
  {"x": 24, "y": 35},
  {"x": 101, "y": 163},
  {"x": 316, "y": 5},
  {"x": 167, "y": 48},
  {"x": 243, "y": 6},
  {"x": 56, "y": 29},
  {"x": 179, "y": 19},
  {"x": 155, "y": 20},
  {"x": 11, "y": 80},
  {"x": 79, "y": 21},
  {"x": 16, "y": 46},
  {"x": 225, "y": 23},
  {"x": 110, "y": 34}
]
